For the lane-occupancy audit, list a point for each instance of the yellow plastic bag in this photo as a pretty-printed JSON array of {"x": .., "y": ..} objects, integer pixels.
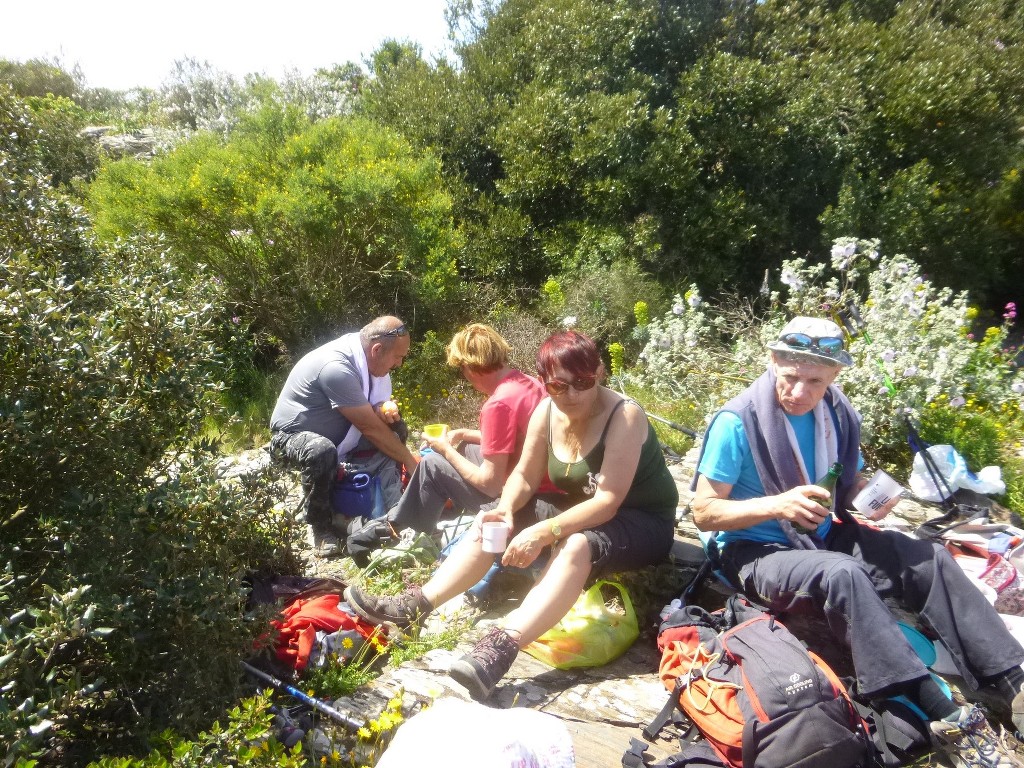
[{"x": 591, "y": 633}]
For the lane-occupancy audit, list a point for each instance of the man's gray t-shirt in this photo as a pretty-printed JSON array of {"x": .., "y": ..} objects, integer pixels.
[{"x": 321, "y": 382}]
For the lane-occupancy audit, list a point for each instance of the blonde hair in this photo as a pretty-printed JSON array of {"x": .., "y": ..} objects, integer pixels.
[{"x": 479, "y": 347}]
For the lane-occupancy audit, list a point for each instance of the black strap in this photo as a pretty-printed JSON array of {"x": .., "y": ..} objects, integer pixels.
[
  {"x": 886, "y": 736},
  {"x": 634, "y": 757},
  {"x": 654, "y": 727}
]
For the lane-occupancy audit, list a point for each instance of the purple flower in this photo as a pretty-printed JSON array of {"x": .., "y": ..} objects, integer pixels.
[
  {"x": 1011, "y": 311},
  {"x": 957, "y": 402},
  {"x": 236, "y": 320}
]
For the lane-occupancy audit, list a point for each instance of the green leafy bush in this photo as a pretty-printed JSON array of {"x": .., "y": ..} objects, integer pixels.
[
  {"x": 121, "y": 600},
  {"x": 311, "y": 227}
]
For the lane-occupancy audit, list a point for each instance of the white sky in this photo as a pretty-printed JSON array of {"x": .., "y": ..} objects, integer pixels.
[{"x": 122, "y": 45}]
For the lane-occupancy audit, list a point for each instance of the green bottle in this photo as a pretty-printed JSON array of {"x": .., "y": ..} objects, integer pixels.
[{"x": 828, "y": 482}]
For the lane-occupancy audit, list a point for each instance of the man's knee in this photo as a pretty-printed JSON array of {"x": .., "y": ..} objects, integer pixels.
[{"x": 307, "y": 450}]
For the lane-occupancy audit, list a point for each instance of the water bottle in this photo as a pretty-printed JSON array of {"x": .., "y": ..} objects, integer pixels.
[{"x": 671, "y": 608}]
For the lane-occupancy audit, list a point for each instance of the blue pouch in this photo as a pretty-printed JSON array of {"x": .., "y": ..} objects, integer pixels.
[{"x": 354, "y": 495}]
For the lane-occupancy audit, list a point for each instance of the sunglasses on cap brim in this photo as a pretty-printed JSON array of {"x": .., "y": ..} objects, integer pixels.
[
  {"x": 828, "y": 346},
  {"x": 559, "y": 387}
]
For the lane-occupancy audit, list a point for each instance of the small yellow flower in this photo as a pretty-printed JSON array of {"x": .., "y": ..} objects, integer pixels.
[
  {"x": 347, "y": 643},
  {"x": 364, "y": 733}
]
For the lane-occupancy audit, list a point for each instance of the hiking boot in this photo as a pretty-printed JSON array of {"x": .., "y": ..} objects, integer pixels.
[
  {"x": 480, "y": 670},
  {"x": 403, "y": 610},
  {"x": 325, "y": 542},
  {"x": 970, "y": 742}
]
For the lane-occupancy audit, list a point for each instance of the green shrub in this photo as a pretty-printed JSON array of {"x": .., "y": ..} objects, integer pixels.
[
  {"x": 312, "y": 227},
  {"x": 121, "y": 601}
]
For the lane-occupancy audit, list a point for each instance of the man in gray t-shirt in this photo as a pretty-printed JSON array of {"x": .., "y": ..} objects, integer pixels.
[{"x": 331, "y": 391}]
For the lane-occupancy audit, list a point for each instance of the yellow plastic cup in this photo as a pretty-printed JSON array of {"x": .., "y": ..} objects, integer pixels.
[{"x": 435, "y": 430}]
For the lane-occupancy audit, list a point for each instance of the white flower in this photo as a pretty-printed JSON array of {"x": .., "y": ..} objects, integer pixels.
[
  {"x": 789, "y": 277},
  {"x": 889, "y": 355},
  {"x": 911, "y": 371},
  {"x": 569, "y": 321},
  {"x": 1018, "y": 387},
  {"x": 849, "y": 249},
  {"x": 915, "y": 310},
  {"x": 693, "y": 300},
  {"x": 957, "y": 401},
  {"x": 873, "y": 255},
  {"x": 906, "y": 297},
  {"x": 838, "y": 252},
  {"x": 902, "y": 269},
  {"x": 678, "y": 308}
]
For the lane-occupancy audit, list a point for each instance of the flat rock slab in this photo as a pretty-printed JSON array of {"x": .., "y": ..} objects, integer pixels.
[{"x": 603, "y": 708}]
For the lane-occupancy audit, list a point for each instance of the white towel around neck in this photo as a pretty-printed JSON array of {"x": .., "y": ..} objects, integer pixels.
[
  {"x": 826, "y": 444},
  {"x": 379, "y": 386}
]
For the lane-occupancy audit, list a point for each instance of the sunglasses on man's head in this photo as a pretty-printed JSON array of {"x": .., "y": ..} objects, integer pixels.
[
  {"x": 829, "y": 346},
  {"x": 559, "y": 387},
  {"x": 398, "y": 330}
]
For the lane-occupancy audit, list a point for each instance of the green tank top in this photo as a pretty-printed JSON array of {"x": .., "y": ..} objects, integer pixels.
[{"x": 653, "y": 489}]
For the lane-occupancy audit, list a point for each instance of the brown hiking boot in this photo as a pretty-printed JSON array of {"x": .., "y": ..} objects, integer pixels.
[
  {"x": 403, "y": 610},
  {"x": 480, "y": 670}
]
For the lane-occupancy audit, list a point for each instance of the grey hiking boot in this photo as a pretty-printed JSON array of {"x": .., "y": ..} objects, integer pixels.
[
  {"x": 325, "y": 541},
  {"x": 403, "y": 610},
  {"x": 970, "y": 742},
  {"x": 480, "y": 670}
]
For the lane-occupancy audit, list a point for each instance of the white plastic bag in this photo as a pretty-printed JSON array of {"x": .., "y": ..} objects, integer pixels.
[{"x": 953, "y": 469}]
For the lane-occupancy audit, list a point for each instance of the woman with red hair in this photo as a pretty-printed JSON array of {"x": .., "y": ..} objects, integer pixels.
[{"x": 615, "y": 512}]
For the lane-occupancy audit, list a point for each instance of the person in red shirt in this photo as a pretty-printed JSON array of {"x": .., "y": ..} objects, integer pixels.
[{"x": 470, "y": 466}]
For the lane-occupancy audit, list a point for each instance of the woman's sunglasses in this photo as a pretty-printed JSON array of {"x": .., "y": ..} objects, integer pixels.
[
  {"x": 829, "y": 346},
  {"x": 559, "y": 387}
]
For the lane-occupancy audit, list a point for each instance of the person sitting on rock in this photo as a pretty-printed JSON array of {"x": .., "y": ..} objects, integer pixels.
[
  {"x": 616, "y": 512},
  {"x": 330, "y": 405},
  {"x": 756, "y": 487},
  {"x": 473, "y": 473}
]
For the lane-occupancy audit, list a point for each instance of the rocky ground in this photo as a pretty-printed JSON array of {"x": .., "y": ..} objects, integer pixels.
[{"x": 603, "y": 707}]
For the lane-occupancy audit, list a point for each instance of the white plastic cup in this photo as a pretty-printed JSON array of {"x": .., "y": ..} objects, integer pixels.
[
  {"x": 880, "y": 490},
  {"x": 494, "y": 537}
]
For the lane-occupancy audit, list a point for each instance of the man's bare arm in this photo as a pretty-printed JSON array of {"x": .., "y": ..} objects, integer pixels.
[
  {"x": 366, "y": 420},
  {"x": 713, "y": 510}
]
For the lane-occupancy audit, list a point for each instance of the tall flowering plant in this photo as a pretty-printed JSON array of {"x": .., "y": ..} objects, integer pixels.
[{"x": 911, "y": 342}]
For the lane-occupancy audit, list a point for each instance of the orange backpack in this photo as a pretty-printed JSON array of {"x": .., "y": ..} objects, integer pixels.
[{"x": 756, "y": 694}]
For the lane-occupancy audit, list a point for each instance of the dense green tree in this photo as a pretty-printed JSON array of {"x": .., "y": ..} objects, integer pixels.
[{"x": 731, "y": 133}]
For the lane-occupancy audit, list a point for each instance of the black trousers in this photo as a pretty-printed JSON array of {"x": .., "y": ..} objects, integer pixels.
[{"x": 848, "y": 582}]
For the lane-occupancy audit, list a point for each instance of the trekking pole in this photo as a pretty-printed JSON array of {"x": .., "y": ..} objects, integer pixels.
[
  {"x": 316, "y": 704},
  {"x": 678, "y": 427},
  {"x": 849, "y": 317}
]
